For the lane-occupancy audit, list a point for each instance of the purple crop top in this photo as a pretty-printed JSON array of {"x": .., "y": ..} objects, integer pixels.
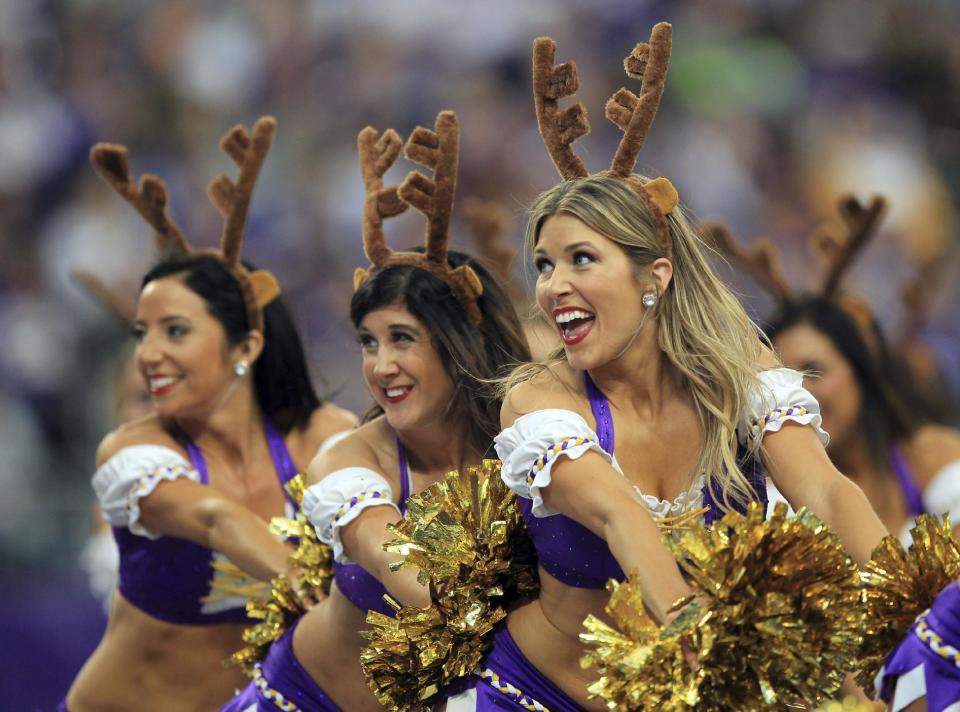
[
  {"x": 167, "y": 577},
  {"x": 360, "y": 587},
  {"x": 573, "y": 554},
  {"x": 911, "y": 493}
]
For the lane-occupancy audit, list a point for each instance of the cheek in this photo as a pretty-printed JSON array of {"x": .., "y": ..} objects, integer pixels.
[{"x": 543, "y": 298}]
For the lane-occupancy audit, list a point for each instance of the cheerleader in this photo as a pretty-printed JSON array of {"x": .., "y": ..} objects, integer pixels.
[
  {"x": 435, "y": 331},
  {"x": 662, "y": 401},
  {"x": 188, "y": 489}
]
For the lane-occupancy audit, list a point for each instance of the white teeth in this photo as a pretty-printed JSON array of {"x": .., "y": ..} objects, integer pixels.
[
  {"x": 567, "y": 316},
  {"x": 163, "y": 382},
  {"x": 396, "y": 392}
]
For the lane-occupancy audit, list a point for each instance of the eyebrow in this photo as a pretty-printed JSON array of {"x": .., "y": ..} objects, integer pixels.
[
  {"x": 166, "y": 319},
  {"x": 398, "y": 325},
  {"x": 568, "y": 248}
]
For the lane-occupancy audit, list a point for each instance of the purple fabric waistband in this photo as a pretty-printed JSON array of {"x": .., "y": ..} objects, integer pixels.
[
  {"x": 510, "y": 682},
  {"x": 934, "y": 643},
  {"x": 281, "y": 674}
]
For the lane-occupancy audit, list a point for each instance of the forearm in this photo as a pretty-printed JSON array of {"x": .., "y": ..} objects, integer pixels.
[
  {"x": 363, "y": 541},
  {"x": 635, "y": 542},
  {"x": 244, "y": 538},
  {"x": 845, "y": 508},
  {"x": 403, "y": 586}
]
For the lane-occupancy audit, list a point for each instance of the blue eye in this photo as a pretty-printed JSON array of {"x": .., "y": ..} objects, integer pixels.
[
  {"x": 542, "y": 265},
  {"x": 582, "y": 258},
  {"x": 402, "y": 336},
  {"x": 177, "y": 330}
]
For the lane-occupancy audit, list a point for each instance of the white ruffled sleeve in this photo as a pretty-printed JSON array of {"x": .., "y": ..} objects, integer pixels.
[
  {"x": 337, "y": 499},
  {"x": 132, "y": 474},
  {"x": 780, "y": 398},
  {"x": 942, "y": 495},
  {"x": 532, "y": 445}
]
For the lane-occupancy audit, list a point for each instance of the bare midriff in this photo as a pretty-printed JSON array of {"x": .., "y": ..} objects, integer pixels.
[{"x": 149, "y": 665}]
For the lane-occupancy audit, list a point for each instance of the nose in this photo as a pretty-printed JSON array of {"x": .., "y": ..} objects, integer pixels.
[
  {"x": 557, "y": 285},
  {"x": 386, "y": 363},
  {"x": 149, "y": 352}
]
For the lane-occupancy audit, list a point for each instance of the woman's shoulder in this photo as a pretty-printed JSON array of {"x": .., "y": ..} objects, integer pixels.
[
  {"x": 148, "y": 430},
  {"x": 557, "y": 385},
  {"x": 330, "y": 419},
  {"x": 325, "y": 422},
  {"x": 930, "y": 449},
  {"x": 369, "y": 446}
]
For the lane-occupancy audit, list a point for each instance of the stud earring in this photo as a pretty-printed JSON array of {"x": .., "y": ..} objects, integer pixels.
[
  {"x": 240, "y": 368},
  {"x": 649, "y": 300}
]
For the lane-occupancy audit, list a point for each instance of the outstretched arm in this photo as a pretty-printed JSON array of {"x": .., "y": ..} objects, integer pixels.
[
  {"x": 340, "y": 478},
  {"x": 802, "y": 471},
  {"x": 152, "y": 490},
  {"x": 189, "y": 510},
  {"x": 573, "y": 476},
  {"x": 610, "y": 508}
]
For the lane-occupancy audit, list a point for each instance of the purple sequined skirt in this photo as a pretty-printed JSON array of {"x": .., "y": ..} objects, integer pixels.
[
  {"x": 281, "y": 683},
  {"x": 509, "y": 681},
  {"x": 928, "y": 660}
]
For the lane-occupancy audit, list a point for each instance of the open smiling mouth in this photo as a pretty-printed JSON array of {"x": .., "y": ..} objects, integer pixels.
[
  {"x": 161, "y": 385},
  {"x": 396, "y": 394},
  {"x": 574, "y": 325}
]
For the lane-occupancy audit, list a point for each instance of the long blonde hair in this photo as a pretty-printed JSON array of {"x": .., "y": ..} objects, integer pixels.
[{"x": 703, "y": 329}]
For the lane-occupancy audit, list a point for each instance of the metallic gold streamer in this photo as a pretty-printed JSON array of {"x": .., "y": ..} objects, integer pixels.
[
  {"x": 900, "y": 585},
  {"x": 776, "y": 619},
  {"x": 313, "y": 561},
  {"x": 466, "y": 537}
]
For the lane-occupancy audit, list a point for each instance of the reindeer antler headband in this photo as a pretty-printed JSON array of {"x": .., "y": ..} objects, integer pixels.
[
  {"x": 631, "y": 113},
  {"x": 437, "y": 150},
  {"x": 232, "y": 199},
  {"x": 837, "y": 250}
]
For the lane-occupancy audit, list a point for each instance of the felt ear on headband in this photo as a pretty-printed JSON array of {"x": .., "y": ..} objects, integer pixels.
[{"x": 663, "y": 194}]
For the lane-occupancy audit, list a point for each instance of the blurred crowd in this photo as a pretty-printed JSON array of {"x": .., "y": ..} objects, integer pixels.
[{"x": 772, "y": 110}]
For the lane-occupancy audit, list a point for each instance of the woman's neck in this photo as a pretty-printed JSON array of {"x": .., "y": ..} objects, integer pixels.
[
  {"x": 642, "y": 379},
  {"x": 231, "y": 431},
  {"x": 439, "y": 448}
]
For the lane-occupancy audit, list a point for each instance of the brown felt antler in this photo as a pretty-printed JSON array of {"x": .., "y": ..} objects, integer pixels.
[
  {"x": 120, "y": 305},
  {"x": 559, "y": 128},
  {"x": 838, "y": 250},
  {"x": 232, "y": 199},
  {"x": 149, "y": 198},
  {"x": 377, "y": 154},
  {"x": 437, "y": 149},
  {"x": 632, "y": 114},
  {"x": 761, "y": 260}
]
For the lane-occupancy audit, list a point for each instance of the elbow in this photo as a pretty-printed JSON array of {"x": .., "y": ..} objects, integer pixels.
[{"x": 210, "y": 513}]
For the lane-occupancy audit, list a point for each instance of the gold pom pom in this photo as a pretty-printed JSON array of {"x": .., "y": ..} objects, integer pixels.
[
  {"x": 466, "y": 536},
  {"x": 776, "y": 620},
  {"x": 900, "y": 585},
  {"x": 314, "y": 563}
]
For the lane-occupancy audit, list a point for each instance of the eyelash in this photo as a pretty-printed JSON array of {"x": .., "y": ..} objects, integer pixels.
[
  {"x": 541, "y": 263},
  {"x": 367, "y": 342}
]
